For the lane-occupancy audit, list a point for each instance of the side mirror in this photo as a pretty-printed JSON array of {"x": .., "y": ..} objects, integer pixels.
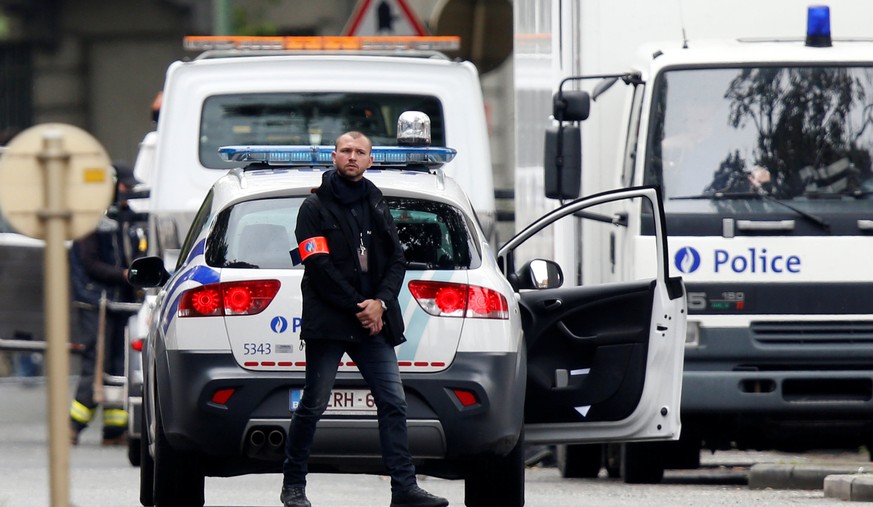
[
  {"x": 540, "y": 274},
  {"x": 147, "y": 272},
  {"x": 563, "y": 162},
  {"x": 571, "y": 105}
]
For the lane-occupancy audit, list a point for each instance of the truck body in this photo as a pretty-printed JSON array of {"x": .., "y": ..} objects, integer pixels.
[{"x": 761, "y": 142}]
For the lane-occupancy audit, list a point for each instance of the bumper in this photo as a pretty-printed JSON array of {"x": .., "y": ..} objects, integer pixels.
[
  {"x": 775, "y": 389},
  {"x": 252, "y": 424}
]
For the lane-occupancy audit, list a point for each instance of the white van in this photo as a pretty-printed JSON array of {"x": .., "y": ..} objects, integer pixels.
[{"x": 280, "y": 97}]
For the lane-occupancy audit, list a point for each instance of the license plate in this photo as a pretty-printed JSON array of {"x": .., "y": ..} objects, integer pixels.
[{"x": 342, "y": 402}]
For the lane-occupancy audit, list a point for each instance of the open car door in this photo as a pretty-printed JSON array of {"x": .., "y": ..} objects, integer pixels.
[{"x": 605, "y": 345}]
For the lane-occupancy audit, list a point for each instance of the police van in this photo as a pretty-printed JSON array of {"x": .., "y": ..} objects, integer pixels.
[
  {"x": 498, "y": 352},
  {"x": 305, "y": 90}
]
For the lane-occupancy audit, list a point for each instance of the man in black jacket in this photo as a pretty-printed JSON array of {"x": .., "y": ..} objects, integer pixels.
[{"x": 354, "y": 270}]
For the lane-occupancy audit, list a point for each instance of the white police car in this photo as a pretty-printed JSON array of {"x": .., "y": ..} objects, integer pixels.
[{"x": 489, "y": 360}]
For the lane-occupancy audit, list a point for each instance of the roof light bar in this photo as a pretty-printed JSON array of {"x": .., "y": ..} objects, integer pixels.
[
  {"x": 318, "y": 43},
  {"x": 818, "y": 26},
  {"x": 394, "y": 156}
]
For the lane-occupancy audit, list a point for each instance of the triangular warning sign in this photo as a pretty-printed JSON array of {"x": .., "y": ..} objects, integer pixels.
[{"x": 383, "y": 17}]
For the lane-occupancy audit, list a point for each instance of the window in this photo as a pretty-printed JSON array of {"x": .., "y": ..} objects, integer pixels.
[
  {"x": 260, "y": 233},
  {"x": 306, "y": 119}
]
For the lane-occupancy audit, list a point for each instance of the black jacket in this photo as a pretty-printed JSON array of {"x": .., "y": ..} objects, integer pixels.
[
  {"x": 98, "y": 260},
  {"x": 331, "y": 283}
]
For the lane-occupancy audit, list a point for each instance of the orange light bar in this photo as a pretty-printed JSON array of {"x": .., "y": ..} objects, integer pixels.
[{"x": 318, "y": 43}]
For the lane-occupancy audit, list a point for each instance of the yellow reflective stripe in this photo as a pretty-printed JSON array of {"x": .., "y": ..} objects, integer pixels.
[
  {"x": 114, "y": 417},
  {"x": 80, "y": 413}
]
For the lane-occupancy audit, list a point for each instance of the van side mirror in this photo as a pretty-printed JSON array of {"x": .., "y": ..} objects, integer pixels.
[
  {"x": 563, "y": 162},
  {"x": 147, "y": 272},
  {"x": 571, "y": 105},
  {"x": 563, "y": 146}
]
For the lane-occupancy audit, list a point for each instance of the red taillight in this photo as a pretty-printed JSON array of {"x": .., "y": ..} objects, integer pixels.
[
  {"x": 231, "y": 298},
  {"x": 447, "y": 299},
  {"x": 137, "y": 344}
]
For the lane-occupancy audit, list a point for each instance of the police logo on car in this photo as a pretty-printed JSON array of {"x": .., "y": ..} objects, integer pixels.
[
  {"x": 687, "y": 259},
  {"x": 279, "y": 324}
]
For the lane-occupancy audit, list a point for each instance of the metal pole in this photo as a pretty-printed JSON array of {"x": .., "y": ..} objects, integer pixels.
[{"x": 56, "y": 218}]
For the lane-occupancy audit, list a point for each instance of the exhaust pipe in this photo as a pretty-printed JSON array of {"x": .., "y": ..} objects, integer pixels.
[
  {"x": 257, "y": 438},
  {"x": 276, "y": 439}
]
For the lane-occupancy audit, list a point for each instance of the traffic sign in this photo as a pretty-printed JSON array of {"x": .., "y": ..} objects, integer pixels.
[
  {"x": 383, "y": 17},
  {"x": 88, "y": 182}
]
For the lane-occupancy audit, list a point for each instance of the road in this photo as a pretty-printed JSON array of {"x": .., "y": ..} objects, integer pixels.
[{"x": 102, "y": 477}]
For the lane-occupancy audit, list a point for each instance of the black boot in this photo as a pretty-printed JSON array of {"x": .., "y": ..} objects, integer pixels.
[
  {"x": 294, "y": 496},
  {"x": 416, "y": 497}
]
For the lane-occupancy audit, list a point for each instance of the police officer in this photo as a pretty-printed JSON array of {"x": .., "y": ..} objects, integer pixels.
[
  {"x": 98, "y": 266},
  {"x": 354, "y": 268}
]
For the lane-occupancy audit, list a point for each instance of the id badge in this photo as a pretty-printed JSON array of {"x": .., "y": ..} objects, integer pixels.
[{"x": 362, "y": 258}]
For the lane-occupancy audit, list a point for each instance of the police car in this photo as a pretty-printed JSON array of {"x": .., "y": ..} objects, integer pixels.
[{"x": 498, "y": 353}]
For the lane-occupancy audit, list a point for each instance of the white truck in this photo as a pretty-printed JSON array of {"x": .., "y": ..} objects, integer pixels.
[{"x": 761, "y": 143}]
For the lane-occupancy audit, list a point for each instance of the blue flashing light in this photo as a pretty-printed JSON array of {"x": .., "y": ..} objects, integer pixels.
[
  {"x": 818, "y": 26},
  {"x": 289, "y": 155}
]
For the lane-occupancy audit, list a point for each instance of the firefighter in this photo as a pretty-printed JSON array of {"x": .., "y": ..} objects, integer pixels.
[{"x": 98, "y": 270}]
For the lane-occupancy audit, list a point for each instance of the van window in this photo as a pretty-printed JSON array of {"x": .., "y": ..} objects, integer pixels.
[
  {"x": 307, "y": 119},
  {"x": 259, "y": 234}
]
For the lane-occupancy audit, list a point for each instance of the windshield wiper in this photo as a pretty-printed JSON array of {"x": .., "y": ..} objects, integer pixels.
[{"x": 821, "y": 222}]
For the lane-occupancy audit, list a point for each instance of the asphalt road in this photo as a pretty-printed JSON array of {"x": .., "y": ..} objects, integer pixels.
[{"x": 102, "y": 477}]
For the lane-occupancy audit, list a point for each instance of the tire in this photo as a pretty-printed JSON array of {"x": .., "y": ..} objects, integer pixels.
[
  {"x": 642, "y": 463},
  {"x": 177, "y": 476},
  {"x": 497, "y": 480},
  {"x": 612, "y": 460},
  {"x": 134, "y": 454},
  {"x": 580, "y": 461},
  {"x": 146, "y": 469}
]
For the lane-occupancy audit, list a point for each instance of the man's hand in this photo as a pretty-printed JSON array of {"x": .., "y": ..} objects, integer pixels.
[{"x": 370, "y": 315}]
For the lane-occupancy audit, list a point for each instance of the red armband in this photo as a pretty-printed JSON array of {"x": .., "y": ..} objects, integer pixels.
[{"x": 311, "y": 246}]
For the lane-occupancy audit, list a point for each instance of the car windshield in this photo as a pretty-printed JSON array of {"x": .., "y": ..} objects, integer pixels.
[
  {"x": 307, "y": 119},
  {"x": 260, "y": 233},
  {"x": 793, "y": 133}
]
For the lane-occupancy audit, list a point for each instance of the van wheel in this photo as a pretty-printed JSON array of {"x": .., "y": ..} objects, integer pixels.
[
  {"x": 581, "y": 461},
  {"x": 612, "y": 460},
  {"x": 177, "y": 476},
  {"x": 497, "y": 480},
  {"x": 642, "y": 463}
]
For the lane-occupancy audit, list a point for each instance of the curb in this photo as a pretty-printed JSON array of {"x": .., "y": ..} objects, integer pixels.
[
  {"x": 776, "y": 476},
  {"x": 852, "y": 487}
]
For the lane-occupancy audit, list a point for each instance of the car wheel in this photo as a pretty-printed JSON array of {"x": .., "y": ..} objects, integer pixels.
[
  {"x": 642, "y": 463},
  {"x": 134, "y": 454},
  {"x": 146, "y": 469},
  {"x": 497, "y": 480},
  {"x": 177, "y": 476},
  {"x": 581, "y": 461}
]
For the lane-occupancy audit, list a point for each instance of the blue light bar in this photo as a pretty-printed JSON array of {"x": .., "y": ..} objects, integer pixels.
[
  {"x": 818, "y": 26},
  {"x": 288, "y": 155}
]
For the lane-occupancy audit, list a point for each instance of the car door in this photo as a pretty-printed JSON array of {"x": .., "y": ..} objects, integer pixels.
[{"x": 605, "y": 348}]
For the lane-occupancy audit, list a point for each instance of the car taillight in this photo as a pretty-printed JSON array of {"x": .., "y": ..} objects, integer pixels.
[
  {"x": 447, "y": 299},
  {"x": 137, "y": 344},
  {"x": 249, "y": 297}
]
